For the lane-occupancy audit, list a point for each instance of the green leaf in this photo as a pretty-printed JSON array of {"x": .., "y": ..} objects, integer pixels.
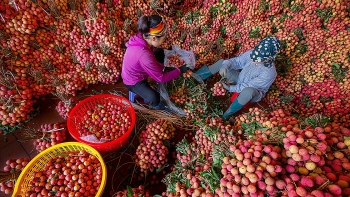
[
  {"x": 299, "y": 33},
  {"x": 188, "y": 183},
  {"x": 214, "y": 173},
  {"x": 249, "y": 116},
  {"x": 54, "y": 177},
  {"x": 217, "y": 156},
  {"x": 274, "y": 29},
  {"x": 233, "y": 10},
  {"x": 297, "y": 8},
  {"x": 171, "y": 179},
  {"x": 339, "y": 72},
  {"x": 301, "y": 48},
  {"x": 317, "y": 120},
  {"x": 283, "y": 18},
  {"x": 263, "y": 5},
  {"x": 255, "y": 33},
  {"x": 99, "y": 105},
  {"x": 196, "y": 14},
  {"x": 245, "y": 125},
  {"x": 182, "y": 146},
  {"x": 162, "y": 168},
  {"x": 311, "y": 122},
  {"x": 130, "y": 192},
  {"x": 214, "y": 11},
  {"x": 189, "y": 18},
  {"x": 324, "y": 13},
  {"x": 211, "y": 178},
  {"x": 205, "y": 29},
  {"x": 223, "y": 29}
]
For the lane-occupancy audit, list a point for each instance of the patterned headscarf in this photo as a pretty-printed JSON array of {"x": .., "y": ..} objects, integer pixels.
[
  {"x": 159, "y": 30},
  {"x": 266, "y": 51}
]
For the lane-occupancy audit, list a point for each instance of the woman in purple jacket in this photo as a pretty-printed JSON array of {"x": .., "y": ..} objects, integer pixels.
[{"x": 141, "y": 60}]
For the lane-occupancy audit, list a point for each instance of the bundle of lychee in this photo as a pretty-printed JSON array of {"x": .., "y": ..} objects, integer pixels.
[
  {"x": 263, "y": 126},
  {"x": 63, "y": 107},
  {"x": 317, "y": 160},
  {"x": 212, "y": 134},
  {"x": 180, "y": 190},
  {"x": 11, "y": 172},
  {"x": 46, "y": 136},
  {"x": 138, "y": 191},
  {"x": 254, "y": 114},
  {"x": 305, "y": 148},
  {"x": 315, "y": 184},
  {"x": 218, "y": 89},
  {"x": 195, "y": 181},
  {"x": 253, "y": 169},
  {"x": 175, "y": 61},
  {"x": 152, "y": 153},
  {"x": 160, "y": 129}
]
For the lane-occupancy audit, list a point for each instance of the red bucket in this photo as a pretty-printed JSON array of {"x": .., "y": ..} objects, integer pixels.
[{"x": 76, "y": 115}]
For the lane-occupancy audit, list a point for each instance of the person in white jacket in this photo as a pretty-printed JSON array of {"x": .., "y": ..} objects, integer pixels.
[{"x": 257, "y": 73}]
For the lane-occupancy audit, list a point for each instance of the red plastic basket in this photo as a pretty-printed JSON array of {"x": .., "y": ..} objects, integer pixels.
[{"x": 76, "y": 115}]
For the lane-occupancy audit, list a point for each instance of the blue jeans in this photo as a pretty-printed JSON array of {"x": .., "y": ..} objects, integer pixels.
[{"x": 144, "y": 90}]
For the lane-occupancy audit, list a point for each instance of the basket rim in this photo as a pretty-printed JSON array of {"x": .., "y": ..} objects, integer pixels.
[
  {"x": 76, "y": 135},
  {"x": 17, "y": 189}
]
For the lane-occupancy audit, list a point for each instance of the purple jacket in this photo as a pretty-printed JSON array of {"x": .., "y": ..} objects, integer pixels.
[{"x": 139, "y": 63}]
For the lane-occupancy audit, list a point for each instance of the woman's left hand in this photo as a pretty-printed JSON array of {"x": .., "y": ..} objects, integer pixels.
[
  {"x": 168, "y": 69},
  {"x": 183, "y": 68}
]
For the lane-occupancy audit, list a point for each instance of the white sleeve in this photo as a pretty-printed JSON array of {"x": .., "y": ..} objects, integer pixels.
[{"x": 239, "y": 62}]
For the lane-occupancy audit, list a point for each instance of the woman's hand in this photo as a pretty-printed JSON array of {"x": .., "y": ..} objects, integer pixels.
[
  {"x": 183, "y": 69},
  {"x": 168, "y": 69}
]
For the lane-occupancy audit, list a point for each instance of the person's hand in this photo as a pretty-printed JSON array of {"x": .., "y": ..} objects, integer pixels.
[
  {"x": 226, "y": 86},
  {"x": 224, "y": 68},
  {"x": 168, "y": 69},
  {"x": 183, "y": 69},
  {"x": 229, "y": 78}
]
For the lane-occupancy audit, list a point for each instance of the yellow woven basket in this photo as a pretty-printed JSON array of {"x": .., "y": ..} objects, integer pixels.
[{"x": 39, "y": 161}]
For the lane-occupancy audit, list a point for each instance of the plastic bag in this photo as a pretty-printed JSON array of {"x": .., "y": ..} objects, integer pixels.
[
  {"x": 164, "y": 94},
  {"x": 197, "y": 77},
  {"x": 187, "y": 56},
  {"x": 93, "y": 138}
]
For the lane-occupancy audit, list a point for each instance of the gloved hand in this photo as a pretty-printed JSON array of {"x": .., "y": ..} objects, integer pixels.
[
  {"x": 183, "y": 69},
  {"x": 168, "y": 69},
  {"x": 226, "y": 86},
  {"x": 224, "y": 68}
]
